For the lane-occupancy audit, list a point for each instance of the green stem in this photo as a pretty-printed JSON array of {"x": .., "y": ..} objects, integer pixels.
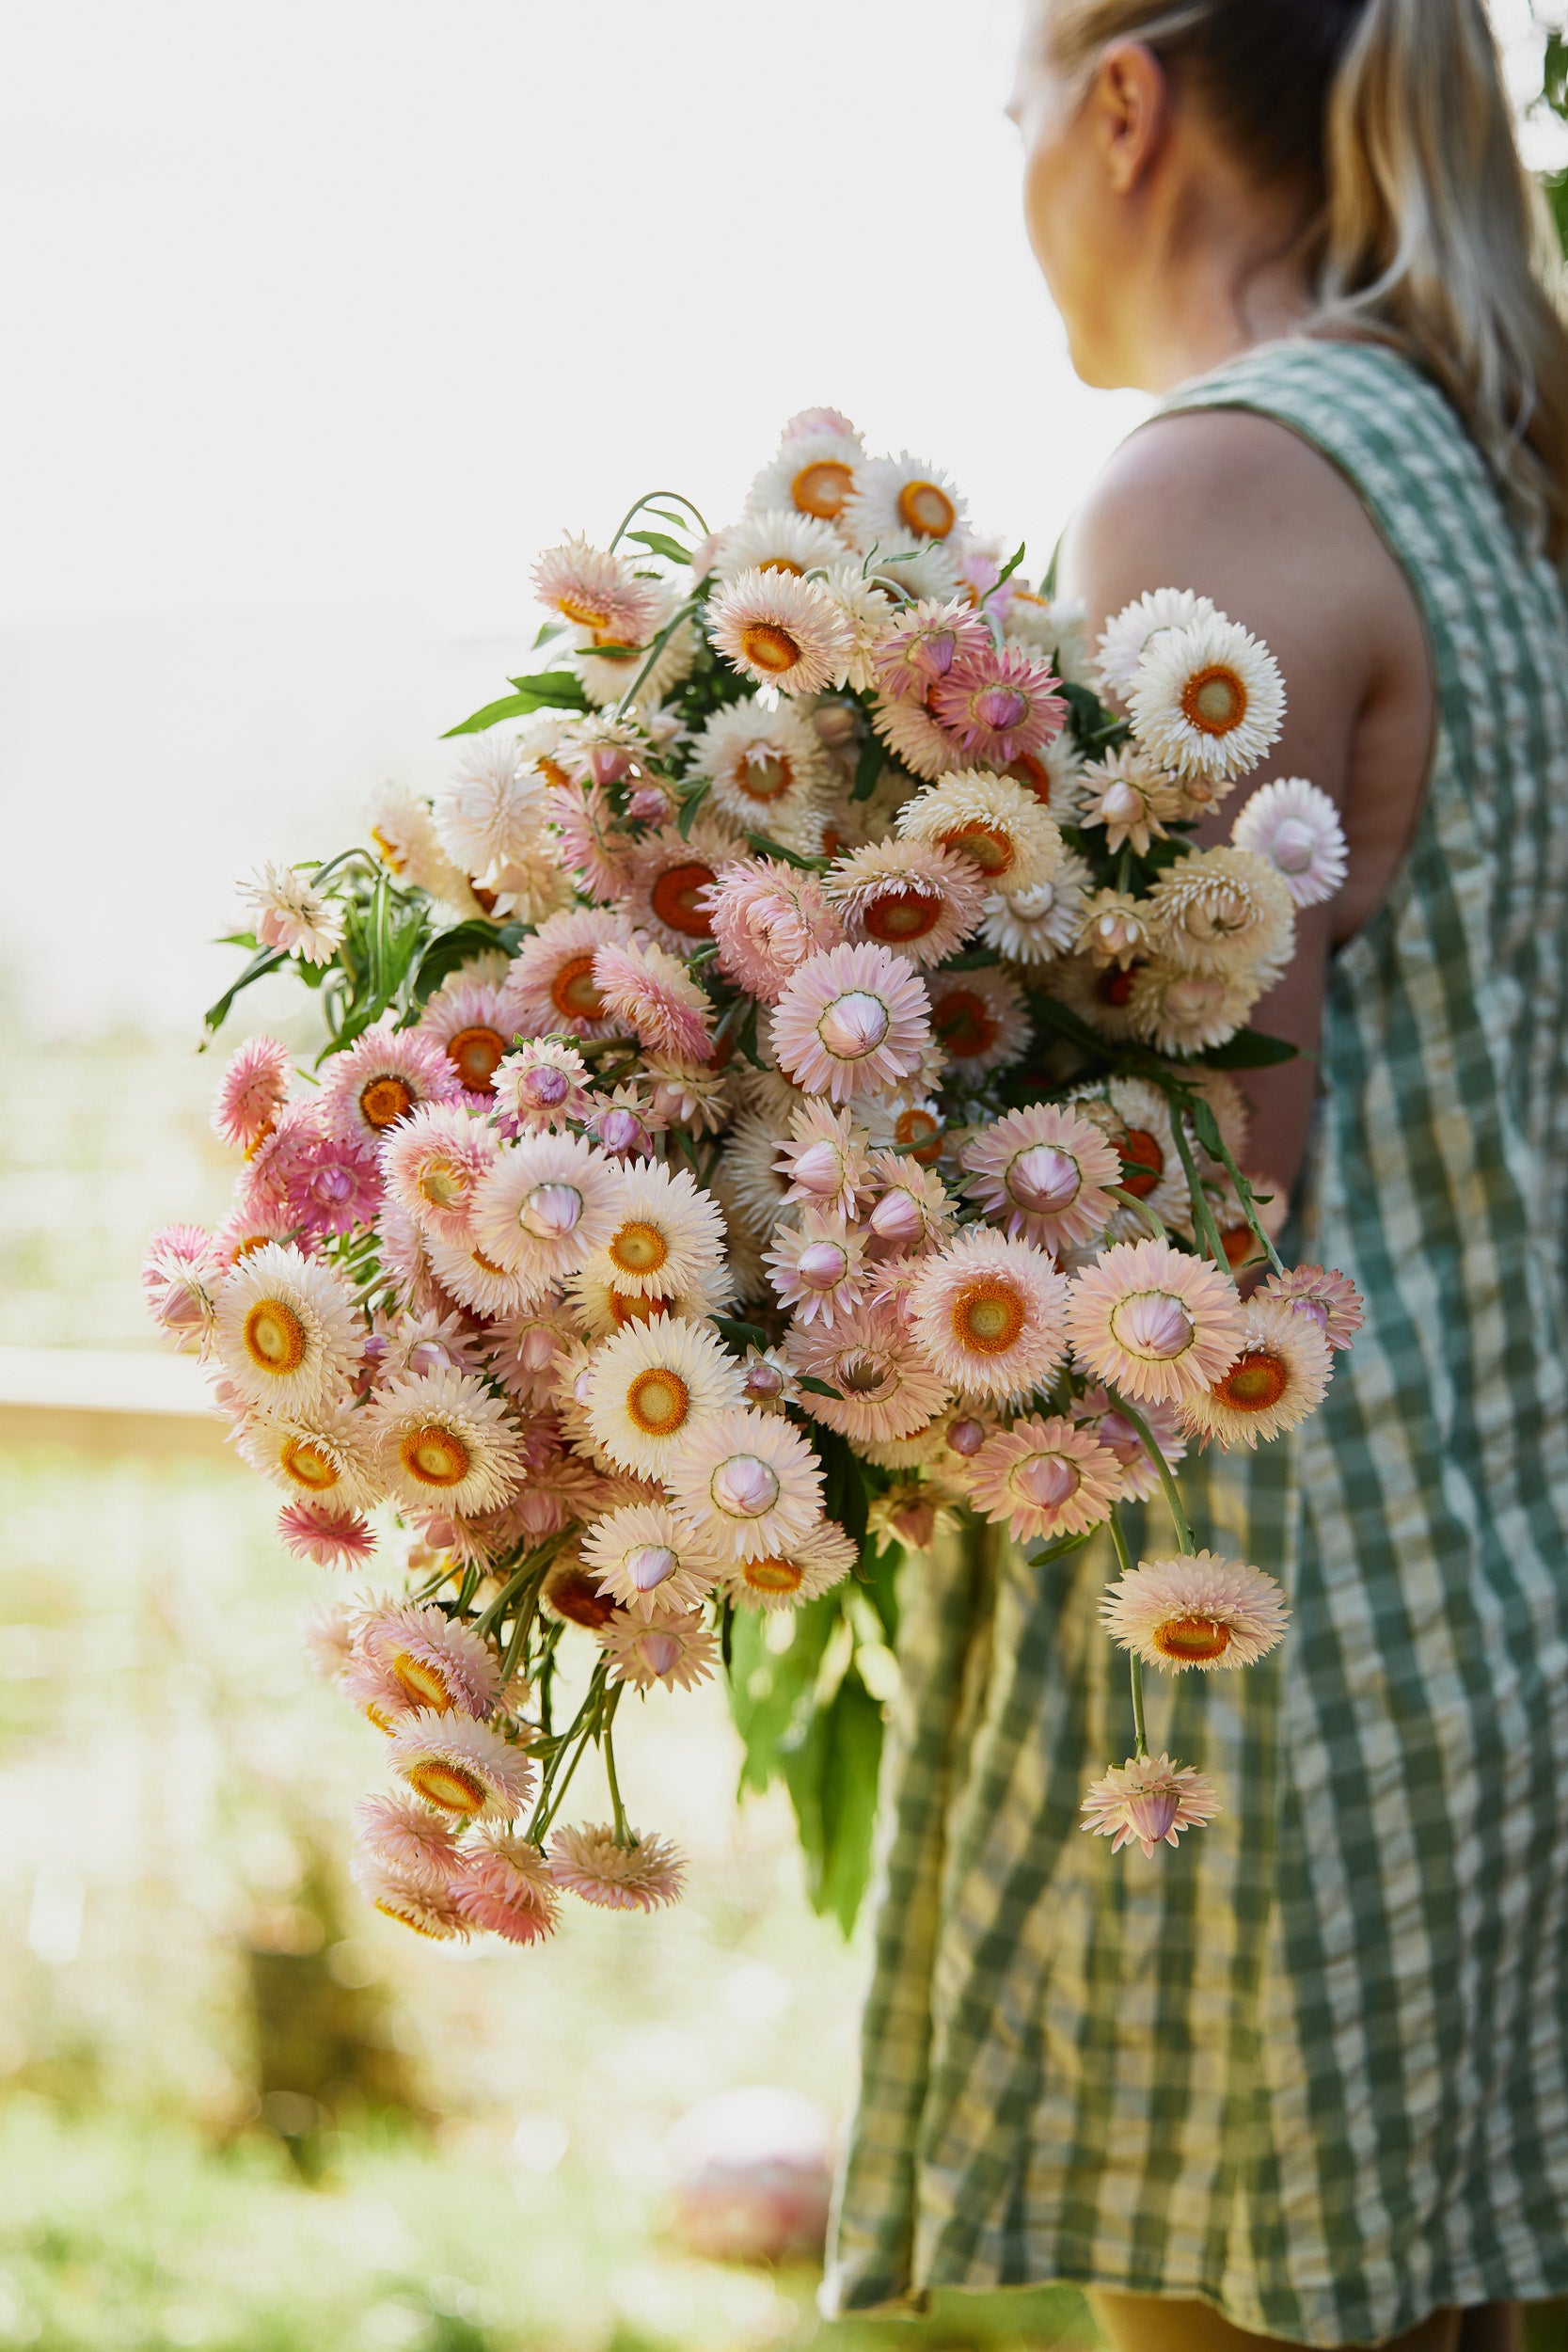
[
  {"x": 1203, "y": 1215},
  {"x": 632, "y": 512},
  {"x": 622, "y": 1835},
  {"x": 683, "y": 614},
  {"x": 581, "y": 1730},
  {"x": 1162, "y": 1468},
  {"x": 485, "y": 1624},
  {"x": 1245, "y": 1196},
  {"x": 1155, "y": 1223},
  {"x": 1124, "y": 1559}
]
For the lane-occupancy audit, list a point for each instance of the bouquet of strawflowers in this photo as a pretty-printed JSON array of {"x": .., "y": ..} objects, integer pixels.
[{"x": 775, "y": 1107}]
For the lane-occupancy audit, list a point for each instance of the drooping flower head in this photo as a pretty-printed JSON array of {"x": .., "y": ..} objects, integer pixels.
[
  {"x": 768, "y": 918},
  {"x": 414, "y": 1900},
  {"x": 327, "y": 1536},
  {"x": 852, "y": 1020},
  {"x": 1195, "y": 1609},
  {"x": 596, "y": 591},
  {"x": 1149, "y": 1320},
  {"x": 1147, "y": 1800},
  {"x": 781, "y": 632},
  {"x": 398, "y": 1832},
  {"x": 1297, "y": 830},
  {"x": 439, "y": 1662},
  {"x": 1207, "y": 700},
  {"x": 181, "y": 1273},
  {"x": 1044, "y": 1478},
  {"x": 1330, "y": 1302},
  {"x": 651, "y": 1385},
  {"x": 989, "y": 1314},
  {"x": 1045, "y": 1173},
  {"x": 288, "y": 1332},
  {"x": 252, "y": 1092},
  {"x": 652, "y": 992},
  {"x": 291, "y": 913},
  {"x": 748, "y": 1482},
  {"x": 464, "y": 1768},
  {"x": 910, "y": 896},
  {"x": 445, "y": 1440},
  {"x": 639, "y": 1877},
  {"x": 502, "y": 1886},
  {"x": 999, "y": 705}
]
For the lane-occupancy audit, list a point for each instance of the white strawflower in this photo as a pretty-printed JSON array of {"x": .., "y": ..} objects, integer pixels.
[
  {"x": 291, "y": 913},
  {"x": 1127, "y": 638},
  {"x": 1297, "y": 829},
  {"x": 1208, "y": 700},
  {"x": 288, "y": 1332}
]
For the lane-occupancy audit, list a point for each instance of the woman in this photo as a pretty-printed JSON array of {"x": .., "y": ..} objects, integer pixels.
[{"x": 1307, "y": 2078}]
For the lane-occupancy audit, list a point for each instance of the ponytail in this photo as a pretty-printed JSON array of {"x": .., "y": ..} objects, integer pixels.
[{"x": 1427, "y": 233}]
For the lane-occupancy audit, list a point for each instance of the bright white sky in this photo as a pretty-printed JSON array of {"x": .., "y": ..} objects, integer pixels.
[{"x": 323, "y": 315}]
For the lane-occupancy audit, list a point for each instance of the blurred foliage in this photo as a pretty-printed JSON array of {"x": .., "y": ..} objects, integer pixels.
[{"x": 1554, "y": 97}]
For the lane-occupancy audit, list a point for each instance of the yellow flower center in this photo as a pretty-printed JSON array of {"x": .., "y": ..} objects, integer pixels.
[
  {"x": 985, "y": 845},
  {"x": 425, "y": 1686},
  {"x": 635, "y": 1309},
  {"x": 768, "y": 778},
  {"x": 390, "y": 855},
  {"x": 1214, "y": 700},
  {"x": 275, "y": 1337},
  {"x": 658, "y": 1402},
  {"x": 821, "y": 488},
  {"x": 449, "y": 1787},
  {"x": 676, "y": 902},
  {"x": 384, "y": 1101},
  {"x": 435, "y": 1455},
  {"x": 574, "y": 993},
  {"x": 474, "y": 1054},
  {"x": 925, "y": 508},
  {"x": 309, "y": 1466},
  {"x": 781, "y": 563},
  {"x": 586, "y": 615},
  {"x": 1255, "y": 1381},
  {"x": 768, "y": 647},
  {"x": 773, "y": 1576},
  {"x": 407, "y": 1917},
  {"x": 1190, "y": 1640},
  {"x": 987, "y": 1316},
  {"x": 638, "y": 1247},
  {"x": 902, "y": 914},
  {"x": 443, "y": 1183}
]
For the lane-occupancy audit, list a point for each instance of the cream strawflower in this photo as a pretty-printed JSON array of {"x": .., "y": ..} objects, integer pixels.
[
  {"x": 747, "y": 1482},
  {"x": 782, "y": 632},
  {"x": 1114, "y": 926},
  {"x": 1043, "y": 1478},
  {"x": 663, "y": 1232},
  {"x": 492, "y": 813},
  {"x": 817, "y": 1268},
  {"x": 812, "y": 474},
  {"x": 445, "y": 1441},
  {"x": 1100, "y": 993},
  {"x": 998, "y": 825},
  {"x": 885, "y": 1388},
  {"x": 651, "y": 1384},
  {"x": 990, "y": 1314},
  {"x": 596, "y": 590},
  {"x": 466, "y": 1271},
  {"x": 385, "y": 1076},
  {"x": 461, "y": 1767},
  {"x": 748, "y": 1180},
  {"x": 1330, "y": 1302},
  {"x": 1036, "y": 925},
  {"x": 866, "y": 607},
  {"x": 1149, "y": 1320},
  {"x": 850, "y": 1020},
  {"x": 1280, "y": 1374},
  {"x": 608, "y": 668},
  {"x": 652, "y": 993},
  {"x": 645, "y": 1559},
  {"x": 1297, "y": 830},
  {"x": 289, "y": 913},
  {"x": 668, "y": 877},
  {"x": 1044, "y": 1174},
  {"x": 913, "y": 738},
  {"x": 1147, "y": 1800},
  {"x": 687, "y": 1094},
  {"x": 399, "y": 824},
  {"x": 914, "y": 1212},
  {"x": 825, "y": 1161},
  {"x": 552, "y": 975},
  {"x": 436, "y": 1660},
  {"x": 1207, "y": 700},
  {"x": 783, "y": 1580},
  {"x": 1182, "y": 1012},
  {"x": 326, "y": 1454},
  {"x": 288, "y": 1332},
  {"x": 909, "y": 896},
  {"x": 981, "y": 1019},
  {"x": 433, "y": 1163},
  {"x": 676, "y": 1649},
  {"x": 777, "y": 539},
  {"x": 1128, "y": 638},
  {"x": 1129, "y": 797},
  {"x": 546, "y": 1205},
  {"x": 1195, "y": 1609},
  {"x": 639, "y": 1877},
  {"x": 766, "y": 772},
  {"x": 1224, "y": 911},
  {"x": 898, "y": 501}
]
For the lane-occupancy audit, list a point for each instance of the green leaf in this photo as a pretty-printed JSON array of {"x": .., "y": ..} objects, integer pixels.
[
  {"x": 658, "y": 543},
  {"x": 831, "y": 1778},
  {"x": 554, "y": 690},
  {"x": 1008, "y": 568},
  {"x": 764, "y": 848},
  {"x": 1066, "y": 1022},
  {"x": 266, "y": 960},
  {"x": 1206, "y": 1127},
  {"x": 771, "y": 1693},
  {"x": 1249, "y": 1049},
  {"x": 1040, "y": 1556},
  {"x": 817, "y": 1388},
  {"x": 459, "y": 946},
  {"x": 868, "y": 769},
  {"x": 740, "y": 1334},
  {"x": 689, "y": 806}
]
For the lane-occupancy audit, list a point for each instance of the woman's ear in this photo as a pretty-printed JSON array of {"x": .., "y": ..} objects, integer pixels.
[{"x": 1129, "y": 106}]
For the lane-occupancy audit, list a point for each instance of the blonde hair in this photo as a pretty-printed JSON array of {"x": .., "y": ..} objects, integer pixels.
[{"x": 1427, "y": 233}]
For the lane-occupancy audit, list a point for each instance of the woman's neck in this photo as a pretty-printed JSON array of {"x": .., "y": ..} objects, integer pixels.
[{"x": 1227, "y": 277}]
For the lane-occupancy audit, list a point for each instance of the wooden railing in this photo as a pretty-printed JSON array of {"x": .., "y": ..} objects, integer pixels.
[{"x": 104, "y": 1402}]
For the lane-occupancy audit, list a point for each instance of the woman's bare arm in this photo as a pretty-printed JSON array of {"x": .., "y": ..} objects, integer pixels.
[{"x": 1240, "y": 509}]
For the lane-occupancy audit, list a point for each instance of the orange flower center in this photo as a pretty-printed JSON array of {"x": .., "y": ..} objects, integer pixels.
[
  {"x": 487, "y": 1265},
  {"x": 764, "y": 779},
  {"x": 551, "y": 770},
  {"x": 986, "y": 846},
  {"x": 251, "y": 1241},
  {"x": 1142, "y": 1163},
  {"x": 586, "y": 615},
  {"x": 926, "y": 509},
  {"x": 781, "y": 563},
  {"x": 390, "y": 856},
  {"x": 448, "y": 1786},
  {"x": 965, "y": 1024},
  {"x": 821, "y": 488},
  {"x": 623, "y": 1310},
  {"x": 773, "y": 1576},
  {"x": 987, "y": 1316},
  {"x": 658, "y": 1402},
  {"x": 1032, "y": 773},
  {"x": 902, "y": 914},
  {"x": 1214, "y": 700},
  {"x": 575, "y": 1597},
  {"x": 474, "y": 1054},
  {"x": 407, "y": 1917},
  {"x": 768, "y": 647},
  {"x": 1190, "y": 1640},
  {"x": 275, "y": 1337},
  {"x": 435, "y": 1456},
  {"x": 638, "y": 1247},
  {"x": 384, "y": 1101},
  {"x": 912, "y": 1127},
  {"x": 574, "y": 993},
  {"x": 425, "y": 1686},
  {"x": 1253, "y": 1382},
  {"x": 308, "y": 1466},
  {"x": 674, "y": 898}
]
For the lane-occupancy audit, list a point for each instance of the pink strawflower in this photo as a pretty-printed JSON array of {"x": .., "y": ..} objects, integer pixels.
[
  {"x": 653, "y": 995},
  {"x": 1044, "y": 1478},
  {"x": 1044, "y": 1174},
  {"x": 252, "y": 1092},
  {"x": 768, "y": 918},
  {"x": 502, "y": 1886},
  {"x": 807, "y": 422},
  {"x": 852, "y": 1021},
  {"x": 597, "y": 592},
  {"x": 816, "y": 1268},
  {"x": 885, "y": 1388},
  {"x": 462, "y": 1768},
  {"x": 909, "y": 896},
  {"x": 385, "y": 1076},
  {"x": 925, "y": 643},
  {"x": 589, "y": 842},
  {"x": 397, "y": 1833},
  {"x": 1297, "y": 828},
  {"x": 414, "y": 1900},
  {"x": 437, "y": 1661},
  {"x": 635, "y": 1877},
  {"x": 474, "y": 1023},
  {"x": 433, "y": 1163},
  {"x": 180, "y": 1273},
  {"x": 999, "y": 707},
  {"x": 670, "y": 877},
  {"x": 1151, "y": 1320},
  {"x": 544, "y": 1084},
  {"x": 914, "y": 1212},
  {"x": 1329, "y": 1300},
  {"x": 250, "y": 1224},
  {"x": 781, "y": 632},
  {"x": 1280, "y": 1373},
  {"x": 330, "y": 1538},
  {"x": 1195, "y": 1610},
  {"x": 746, "y": 1483},
  {"x": 1149, "y": 1799},
  {"x": 323, "y": 1181},
  {"x": 989, "y": 1314},
  {"x": 552, "y": 975},
  {"x": 675, "y": 1649},
  {"x": 824, "y": 1163}
]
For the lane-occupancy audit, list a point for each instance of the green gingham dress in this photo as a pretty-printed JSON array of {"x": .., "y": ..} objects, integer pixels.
[{"x": 1311, "y": 2066}]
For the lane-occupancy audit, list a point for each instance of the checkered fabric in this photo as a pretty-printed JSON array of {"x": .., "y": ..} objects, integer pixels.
[{"x": 1313, "y": 2066}]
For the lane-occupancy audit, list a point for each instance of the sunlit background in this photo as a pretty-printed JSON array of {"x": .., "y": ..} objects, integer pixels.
[{"x": 319, "y": 319}]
